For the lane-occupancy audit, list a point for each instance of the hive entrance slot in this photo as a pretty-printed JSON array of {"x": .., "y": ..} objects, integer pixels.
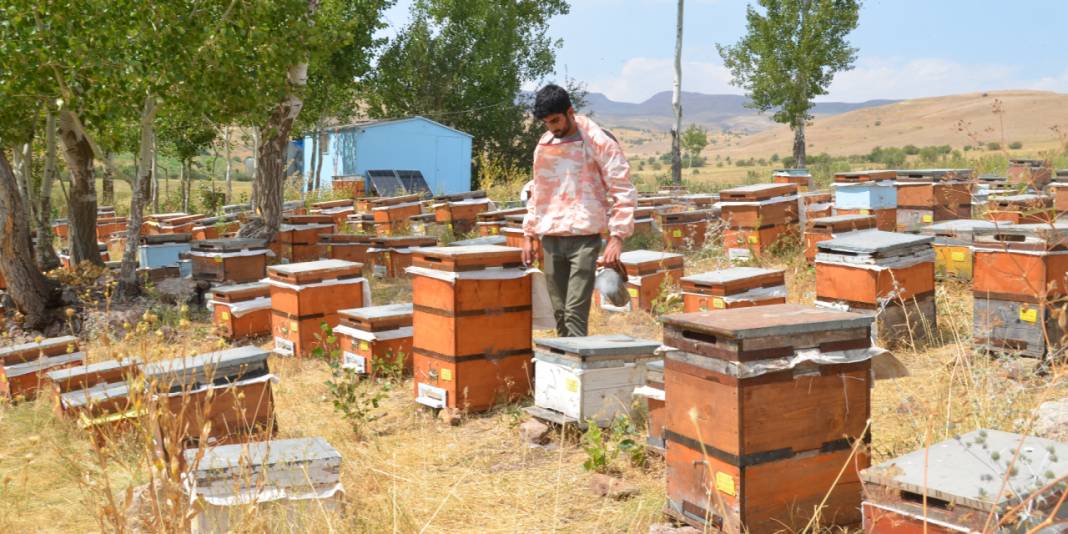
[
  {"x": 698, "y": 336},
  {"x": 917, "y": 498}
]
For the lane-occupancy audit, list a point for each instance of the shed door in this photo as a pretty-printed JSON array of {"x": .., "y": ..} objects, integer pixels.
[{"x": 449, "y": 158}]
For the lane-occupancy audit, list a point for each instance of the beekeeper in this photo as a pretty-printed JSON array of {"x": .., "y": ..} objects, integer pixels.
[{"x": 581, "y": 190}]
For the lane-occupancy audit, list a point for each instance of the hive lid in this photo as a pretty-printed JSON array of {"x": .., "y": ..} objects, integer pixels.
[
  {"x": 645, "y": 256},
  {"x": 757, "y": 192},
  {"x": 469, "y": 258},
  {"x": 43, "y": 346},
  {"x": 934, "y": 174},
  {"x": 40, "y": 364},
  {"x": 865, "y": 176},
  {"x": 346, "y": 238},
  {"x": 313, "y": 266},
  {"x": 98, "y": 367},
  {"x": 478, "y": 241},
  {"x": 371, "y": 313},
  {"x": 791, "y": 172},
  {"x": 958, "y": 225},
  {"x": 732, "y": 274},
  {"x": 251, "y": 287},
  {"x": 286, "y": 227},
  {"x": 225, "y": 460},
  {"x": 836, "y": 219},
  {"x": 230, "y": 363},
  {"x": 772, "y": 320},
  {"x": 970, "y": 470},
  {"x": 94, "y": 395},
  {"x": 1020, "y": 199},
  {"x": 228, "y": 245},
  {"x": 164, "y": 239},
  {"x": 874, "y": 242},
  {"x": 405, "y": 241},
  {"x": 599, "y": 345},
  {"x": 500, "y": 214}
]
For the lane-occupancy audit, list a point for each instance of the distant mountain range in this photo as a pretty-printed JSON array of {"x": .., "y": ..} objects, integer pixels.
[{"x": 726, "y": 112}]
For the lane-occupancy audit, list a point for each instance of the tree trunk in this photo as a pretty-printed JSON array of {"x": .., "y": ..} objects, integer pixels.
[
  {"x": 32, "y": 293},
  {"x": 45, "y": 253},
  {"x": 182, "y": 177},
  {"x": 799, "y": 146},
  {"x": 155, "y": 175},
  {"x": 319, "y": 165},
  {"x": 229, "y": 168},
  {"x": 140, "y": 190},
  {"x": 81, "y": 204},
  {"x": 23, "y": 155},
  {"x": 108, "y": 183},
  {"x": 254, "y": 200},
  {"x": 676, "y": 104},
  {"x": 313, "y": 161}
]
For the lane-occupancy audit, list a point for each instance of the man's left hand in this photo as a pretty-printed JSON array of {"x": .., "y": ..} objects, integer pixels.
[{"x": 612, "y": 252}]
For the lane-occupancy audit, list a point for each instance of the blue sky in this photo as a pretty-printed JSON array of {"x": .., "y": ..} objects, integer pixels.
[{"x": 908, "y": 48}]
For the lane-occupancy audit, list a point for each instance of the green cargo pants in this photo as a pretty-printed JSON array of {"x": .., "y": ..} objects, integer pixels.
[{"x": 570, "y": 269}]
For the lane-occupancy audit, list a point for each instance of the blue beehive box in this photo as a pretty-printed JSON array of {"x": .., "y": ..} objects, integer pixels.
[
  {"x": 865, "y": 196},
  {"x": 162, "y": 250}
]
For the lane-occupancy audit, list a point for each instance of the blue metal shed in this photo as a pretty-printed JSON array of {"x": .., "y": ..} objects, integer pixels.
[{"x": 441, "y": 153}]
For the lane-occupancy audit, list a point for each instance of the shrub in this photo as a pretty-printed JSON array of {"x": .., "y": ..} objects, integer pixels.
[
  {"x": 912, "y": 150},
  {"x": 1016, "y": 145},
  {"x": 993, "y": 146}
]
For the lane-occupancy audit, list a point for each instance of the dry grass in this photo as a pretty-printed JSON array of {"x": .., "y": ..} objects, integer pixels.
[{"x": 415, "y": 473}]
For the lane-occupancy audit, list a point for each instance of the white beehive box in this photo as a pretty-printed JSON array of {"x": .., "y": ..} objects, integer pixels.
[
  {"x": 583, "y": 378},
  {"x": 283, "y": 473}
]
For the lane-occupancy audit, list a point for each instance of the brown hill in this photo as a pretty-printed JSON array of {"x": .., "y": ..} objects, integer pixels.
[{"x": 1026, "y": 117}]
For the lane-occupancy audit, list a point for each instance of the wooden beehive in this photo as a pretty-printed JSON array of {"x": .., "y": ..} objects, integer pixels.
[
  {"x": 371, "y": 336},
  {"x": 306, "y": 295},
  {"x": 229, "y": 390},
  {"x": 651, "y": 201},
  {"x": 799, "y": 177},
  {"x": 330, "y": 204},
  {"x": 854, "y": 177},
  {"x": 482, "y": 240},
  {"x": 311, "y": 218},
  {"x": 234, "y": 261},
  {"x": 86, "y": 376},
  {"x": 685, "y": 230},
  {"x": 1035, "y": 173},
  {"x": 216, "y": 228},
  {"x": 390, "y": 256},
  {"x": 107, "y": 226},
  {"x": 393, "y": 219},
  {"x": 759, "y": 205},
  {"x": 348, "y": 247},
  {"x": 363, "y": 223},
  {"x": 1021, "y": 263},
  {"x": 162, "y": 250},
  {"x": 25, "y": 352},
  {"x": 425, "y": 224},
  {"x": 748, "y": 242},
  {"x": 27, "y": 378},
  {"x": 242, "y": 311},
  {"x": 338, "y": 215},
  {"x": 461, "y": 215},
  {"x": 946, "y": 193},
  {"x": 885, "y": 219},
  {"x": 827, "y": 228},
  {"x": 649, "y": 273},
  {"x": 700, "y": 201},
  {"x": 588, "y": 379},
  {"x": 736, "y": 287},
  {"x": 298, "y": 243},
  {"x": 769, "y": 441},
  {"x": 1022, "y": 209},
  {"x": 350, "y": 188},
  {"x": 178, "y": 224},
  {"x": 301, "y": 476},
  {"x": 490, "y": 223},
  {"x": 1059, "y": 192},
  {"x": 967, "y": 484},
  {"x": 472, "y": 326}
]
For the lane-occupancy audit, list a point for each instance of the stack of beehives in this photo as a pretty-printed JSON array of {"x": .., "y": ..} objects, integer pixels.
[
  {"x": 649, "y": 274},
  {"x": 826, "y": 228},
  {"x": 306, "y": 295},
  {"x": 736, "y": 287},
  {"x": 757, "y": 217},
  {"x": 867, "y": 193},
  {"x": 926, "y": 196}
]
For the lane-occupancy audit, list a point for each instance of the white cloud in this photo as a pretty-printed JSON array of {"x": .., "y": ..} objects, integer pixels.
[
  {"x": 873, "y": 78},
  {"x": 642, "y": 77}
]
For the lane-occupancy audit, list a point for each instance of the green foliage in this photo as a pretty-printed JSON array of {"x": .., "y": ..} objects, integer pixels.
[
  {"x": 1015, "y": 145},
  {"x": 356, "y": 399},
  {"x": 464, "y": 63},
  {"x": 911, "y": 150},
  {"x": 603, "y": 448},
  {"x": 694, "y": 139},
  {"x": 791, "y": 52},
  {"x": 993, "y": 146}
]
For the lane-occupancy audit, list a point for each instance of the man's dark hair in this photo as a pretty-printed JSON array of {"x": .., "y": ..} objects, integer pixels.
[{"x": 551, "y": 99}]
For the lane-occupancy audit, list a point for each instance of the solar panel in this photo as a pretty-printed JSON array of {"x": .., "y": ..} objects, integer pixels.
[{"x": 388, "y": 183}]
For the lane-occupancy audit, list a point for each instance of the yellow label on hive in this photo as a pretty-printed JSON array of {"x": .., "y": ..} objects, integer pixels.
[
  {"x": 572, "y": 385},
  {"x": 957, "y": 256},
  {"x": 294, "y": 326},
  {"x": 364, "y": 346},
  {"x": 676, "y": 233},
  {"x": 226, "y": 316},
  {"x": 718, "y": 303},
  {"x": 865, "y": 212},
  {"x": 493, "y": 230},
  {"x": 218, "y": 259},
  {"x": 329, "y": 249},
  {"x": 1029, "y": 315},
  {"x": 725, "y": 484},
  {"x": 927, "y": 218},
  {"x": 633, "y": 291},
  {"x": 754, "y": 239},
  {"x": 446, "y": 374}
]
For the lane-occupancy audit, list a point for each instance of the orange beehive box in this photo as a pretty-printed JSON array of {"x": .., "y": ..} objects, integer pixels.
[
  {"x": 242, "y": 311},
  {"x": 300, "y": 243},
  {"x": 700, "y": 201},
  {"x": 759, "y": 240},
  {"x": 368, "y": 203},
  {"x": 27, "y": 378},
  {"x": 107, "y": 226},
  {"x": 301, "y": 336},
  {"x": 825, "y": 228},
  {"x": 757, "y": 205},
  {"x": 316, "y": 288},
  {"x": 179, "y": 225},
  {"x": 872, "y": 266},
  {"x": 768, "y": 444},
  {"x": 472, "y": 326},
  {"x": 61, "y": 228},
  {"x": 799, "y": 177},
  {"x": 390, "y": 256},
  {"x": 348, "y": 247},
  {"x": 348, "y": 187},
  {"x": 393, "y": 219},
  {"x": 1021, "y": 264},
  {"x": 500, "y": 215},
  {"x": 643, "y": 262},
  {"x": 652, "y": 201},
  {"x": 215, "y": 228},
  {"x": 648, "y": 274},
  {"x": 311, "y": 218},
  {"x": 361, "y": 223},
  {"x": 338, "y": 215},
  {"x": 1022, "y": 209},
  {"x": 25, "y": 352},
  {"x": 885, "y": 219},
  {"x": 330, "y": 204},
  {"x": 685, "y": 230},
  {"x": 461, "y": 215},
  {"x": 1059, "y": 192},
  {"x": 229, "y": 260},
  {"x": 1033, "y": 172},
  {"x": 84, "y": 377},
  {"x": 736, "y": 287},
  {"x": 376, "y": 335}
]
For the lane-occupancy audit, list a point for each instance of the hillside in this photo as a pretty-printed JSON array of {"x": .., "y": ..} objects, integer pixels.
[{"x": 1027, "y": 117}]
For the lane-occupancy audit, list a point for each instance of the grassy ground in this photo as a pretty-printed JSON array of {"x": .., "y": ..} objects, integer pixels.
[
  {"x": 411, "y": 472},
  {"x": 170, "y": 194}
]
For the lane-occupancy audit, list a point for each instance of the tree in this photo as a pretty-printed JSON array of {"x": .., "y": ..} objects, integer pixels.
[
  {"x": 464, "y": 63},
  {"x": 32, "y": 293},
  {"x": 790, "y": 54},
  {"x": 676, "y": 103},
  {"x": 694, "y": 140}
]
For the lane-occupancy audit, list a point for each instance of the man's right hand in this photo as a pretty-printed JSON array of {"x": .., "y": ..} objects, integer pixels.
[{"x": 528, "y": 250}]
